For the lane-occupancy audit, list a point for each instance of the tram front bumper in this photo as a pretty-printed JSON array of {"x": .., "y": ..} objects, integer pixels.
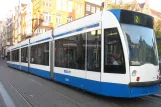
[
  {"x": 144, "y": 84},
  {"x": 139, "y": 89}
]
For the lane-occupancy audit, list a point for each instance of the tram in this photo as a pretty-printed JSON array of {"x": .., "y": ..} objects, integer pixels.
[{"x": 110, "y": 53}]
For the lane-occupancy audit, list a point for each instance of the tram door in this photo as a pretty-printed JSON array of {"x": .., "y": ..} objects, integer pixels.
[{"x": 93, "y": 61}]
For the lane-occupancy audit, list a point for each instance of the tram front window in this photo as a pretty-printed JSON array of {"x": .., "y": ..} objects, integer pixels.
[{"x": 142, "y": 45}]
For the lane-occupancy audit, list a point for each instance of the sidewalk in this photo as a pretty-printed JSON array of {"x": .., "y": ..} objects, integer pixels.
[{"x": 2, "y": 103}]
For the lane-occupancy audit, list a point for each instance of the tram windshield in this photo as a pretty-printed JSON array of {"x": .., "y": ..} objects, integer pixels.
[{"x": 141, "y": 43}]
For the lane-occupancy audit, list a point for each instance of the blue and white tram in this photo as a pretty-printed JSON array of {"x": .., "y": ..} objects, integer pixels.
[
  {"x": 13, "y": 53},
  {"x": 33, "y": 55},
  {"x": 40, "y": 55},
  {"x": 24, "y": 55},
  {"x": 111, "y": 53}
]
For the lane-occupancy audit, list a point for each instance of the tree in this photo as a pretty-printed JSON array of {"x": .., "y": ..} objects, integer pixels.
[
  {"x": 120, "y": 5},
  {"x": 159, "y": 49},
  {"x": 157, "y": 28}
]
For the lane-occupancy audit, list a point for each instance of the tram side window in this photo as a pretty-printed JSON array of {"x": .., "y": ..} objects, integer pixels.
[
  {"x": 8, "y": 56},
  {"x": 15, "y": 55},
  {"x": 33, "y": 52},
  {"x": 40, "y": 54},
  {"x": 60, "y": 48},
  {"x": 46, "y": 53},
  {"x": 94, "y": 51},
  {"x": 113, "y": 52},
  {"x": 24, "y": 54},
  {"x": 70, "y": 52},
  {"x": 12, "y": 56}
]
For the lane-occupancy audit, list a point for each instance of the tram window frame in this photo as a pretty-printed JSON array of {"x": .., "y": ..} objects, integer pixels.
[
  {"x": 12, "y": 55},
  {"x": 8, "y": 56},
  {"x": 15, "y": 55},
  {"x": 94, "y": 59},
  {"x": 24, "y": 54},
  {"x": 112, "y": 68},
  {"x": 40, "y": 54},
  {"x": 71, "y": 57}
]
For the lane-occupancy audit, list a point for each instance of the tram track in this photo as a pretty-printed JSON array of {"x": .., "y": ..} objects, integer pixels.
[
  {"x": 155, "y": 98},
  {"x": 26, "y": 99},
  {"x": 17, "y": 91},
  {"x": 150, "y": 100},
  {"x": 72, "y": 100},
  {"x": 75, "y": 101}
]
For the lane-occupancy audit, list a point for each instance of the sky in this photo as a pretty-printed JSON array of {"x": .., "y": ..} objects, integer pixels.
[{"x": 6, "y": 5}]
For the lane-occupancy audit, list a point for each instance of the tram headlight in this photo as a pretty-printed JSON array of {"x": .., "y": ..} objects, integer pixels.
[{"x": 134, "y": 73}]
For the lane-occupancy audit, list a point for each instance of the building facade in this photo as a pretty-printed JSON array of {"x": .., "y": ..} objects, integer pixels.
[
  {"x": 48, "y": 14},
  {"x": 91, "y": 7},
  {"x": 23, "y": 23},
  {"x": 17, "y": 23},
  {"x": 28, "y": 19},
  {"x": 3, "y": 34},
  {"x": 107, "y": 4},
  {"x": 9, "y": 32},
  {"x": 135, "y": 6}
]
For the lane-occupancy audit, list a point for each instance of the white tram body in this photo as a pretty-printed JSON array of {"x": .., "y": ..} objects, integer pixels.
[
  {"x": 24, "y": 55},
  {"x": 111, "y": 53},
  {"x": 39, "y": 47}
]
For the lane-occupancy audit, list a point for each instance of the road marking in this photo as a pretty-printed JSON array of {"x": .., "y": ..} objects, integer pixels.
[{"x": 6, "y": 97}]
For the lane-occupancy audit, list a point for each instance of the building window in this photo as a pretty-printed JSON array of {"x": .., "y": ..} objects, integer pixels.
[
  {"x": 58, "y": 20},
  {"x": 92, "y": 9},
  {"x": 44, "y": 4},
  {"x": 70, "y": 6},
  {"x": 47, "y": 3},
  {"x": 87, "y": 7},
  {"x": 47, "y": 17},
  {"x": 69, "y": 19},
  {"x": 50, "y": 5},
  {"x": 79, "y": 9}
]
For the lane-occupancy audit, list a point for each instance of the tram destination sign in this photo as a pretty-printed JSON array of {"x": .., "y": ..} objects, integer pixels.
[{"x": 136, "y": 18}]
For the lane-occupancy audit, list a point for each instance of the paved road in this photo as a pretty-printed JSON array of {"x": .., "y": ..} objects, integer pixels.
[{"x": 27, "y": 90}]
